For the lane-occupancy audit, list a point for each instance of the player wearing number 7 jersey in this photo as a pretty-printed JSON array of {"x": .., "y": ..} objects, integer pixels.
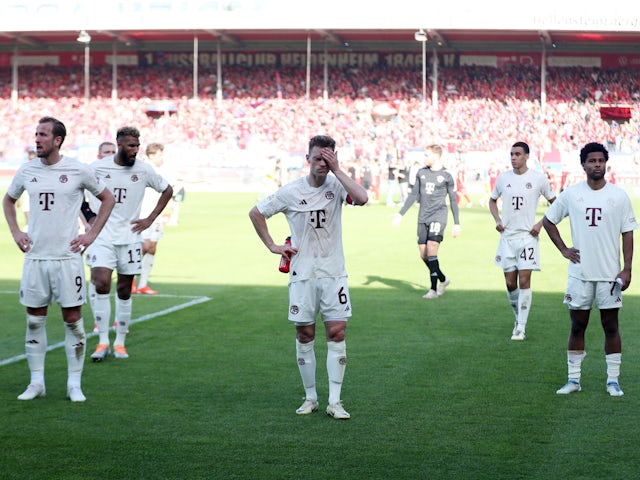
[
  {"x": 317, "y": 274},
  {"x": 518, "y": 252},
  {"x": 119, "y": 245}
]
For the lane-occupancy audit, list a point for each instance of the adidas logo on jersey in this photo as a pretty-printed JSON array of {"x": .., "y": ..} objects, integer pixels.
[
  {"x": 34, "y": 180},
  {"x": 302, "y": 202}
]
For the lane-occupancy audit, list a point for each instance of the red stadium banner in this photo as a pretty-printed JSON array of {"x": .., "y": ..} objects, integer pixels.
[{"x": 615, "y": 113}]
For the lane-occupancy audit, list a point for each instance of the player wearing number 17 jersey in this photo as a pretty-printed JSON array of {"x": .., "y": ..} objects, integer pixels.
[
  {"x": 119, "y": 245},
  {"x": 317, "y": 275},
  {"x": 518, "y": 252}
]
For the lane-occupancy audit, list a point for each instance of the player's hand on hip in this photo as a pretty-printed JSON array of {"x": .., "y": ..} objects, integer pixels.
[{"x": 23, "y": 241}]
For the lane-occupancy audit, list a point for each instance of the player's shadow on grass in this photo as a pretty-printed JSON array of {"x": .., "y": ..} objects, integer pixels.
[{"x": 392, "y": 282}]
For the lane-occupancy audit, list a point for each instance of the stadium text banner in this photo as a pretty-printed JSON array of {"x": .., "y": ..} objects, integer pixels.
[{"x": 207, "y": 59}]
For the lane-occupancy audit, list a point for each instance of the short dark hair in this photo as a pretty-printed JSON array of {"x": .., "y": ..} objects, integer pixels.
[
  {"x": 593, "y": 147},
  {"x": 105, "y": 144},
  {"x": 322, "y": 141},
  {"x": 127, "y": 132},
  {"x": 522, "y": 145},
  {"x": 58, "y": 129},
  {"x": 154, "y": 148}
]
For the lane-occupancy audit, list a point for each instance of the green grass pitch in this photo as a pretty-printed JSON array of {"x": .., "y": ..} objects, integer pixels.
[{"x": 436, "y": 389}]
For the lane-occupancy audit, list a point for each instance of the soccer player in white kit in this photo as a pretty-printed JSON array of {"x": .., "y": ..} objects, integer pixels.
[
  {"x": 53, "y": 267},
  {"x": 152, "y": 235},
  {"x": 600, "y": 214},
  {"x": 317, "y": 275},
  {"x": 119, "y": 245},
  {"x": 518, "y": 251}
]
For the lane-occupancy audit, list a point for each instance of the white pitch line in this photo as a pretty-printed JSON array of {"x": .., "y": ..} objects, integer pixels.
[{"x": 144, "y": 318}]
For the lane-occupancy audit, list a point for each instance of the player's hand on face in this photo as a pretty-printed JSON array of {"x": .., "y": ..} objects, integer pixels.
[{"x": 331, "y": 157}]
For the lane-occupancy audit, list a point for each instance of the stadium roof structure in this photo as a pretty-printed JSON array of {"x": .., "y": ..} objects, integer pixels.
[
  {"x": 359, "y": 40},
  {"x": 570, "y": 26}
]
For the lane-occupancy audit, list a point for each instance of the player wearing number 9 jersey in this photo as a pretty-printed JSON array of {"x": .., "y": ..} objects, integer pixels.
[
  {"x": 119, "y": 245},
  {"x": 317, "y": 275},
  {"x": 53, "y": 263}
]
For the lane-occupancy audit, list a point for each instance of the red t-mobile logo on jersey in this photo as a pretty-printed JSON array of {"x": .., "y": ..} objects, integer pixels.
[
  {"x": 516, "y": 202},
  {"x": 46, "y": 200},
  {"x": 593, "y": 214}
]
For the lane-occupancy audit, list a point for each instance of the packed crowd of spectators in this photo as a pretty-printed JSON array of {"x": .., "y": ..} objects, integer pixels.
[
  {"x": 480, "y": 108},
  {"x": 377, "y": 82}
]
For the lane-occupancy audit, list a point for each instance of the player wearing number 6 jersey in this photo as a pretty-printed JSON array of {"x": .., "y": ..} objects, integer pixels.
[
  {"x": 518, "y": 252},
  {"x": 53, "y": 266},
  {"x": 119, "y": 245},
  {"x": 317, "y": 275}
]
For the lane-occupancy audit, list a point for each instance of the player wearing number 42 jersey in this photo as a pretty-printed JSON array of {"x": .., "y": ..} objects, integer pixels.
[
  {"x": 518, "y": 251},
  {"x": 119, "y": 245}
]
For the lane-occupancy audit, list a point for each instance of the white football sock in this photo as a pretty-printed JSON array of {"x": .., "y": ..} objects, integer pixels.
[
  {"x": 524, "y": 306},
  {"x": 613, "y": 366},
  {"x": 101, "y": 315},
  {"x": 92, "y": 295},
  {"x": 574, "y": 364},
  {"x": 36, "y": 347},
  {"x": 306, "y": 357},
  {"x": 336, "y": 365},
  {"x": 146, "y": 266},
  {"x": 513, "y": 301},
  {"x": 123, "y": 317},
  {"x": 75, "y": 346}
]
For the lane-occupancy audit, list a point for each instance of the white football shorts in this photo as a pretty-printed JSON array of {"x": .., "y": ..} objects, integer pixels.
[
  {"x": 582, "y": 294},
  {"x": 46, "y": 280},
  {"x": 154, "y": 233},
  {"x": 328, "y": 297},
  {"x": 126, "y": 259},
  {"x": 518, "y": 254}
]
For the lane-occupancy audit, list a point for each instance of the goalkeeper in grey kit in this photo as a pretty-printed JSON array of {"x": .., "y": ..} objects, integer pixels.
[{"x": 432, "y": 187}]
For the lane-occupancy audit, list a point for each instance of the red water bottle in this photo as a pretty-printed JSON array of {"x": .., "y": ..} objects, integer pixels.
[{"x": 284, "y": 261}]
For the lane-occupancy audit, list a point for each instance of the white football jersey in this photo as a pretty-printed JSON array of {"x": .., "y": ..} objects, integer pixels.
[
  {"x": 598, "y": 218},
  {"x": 56, "y": 193},
  {"x": 315, "y": 219},
  {"x": 520, "y": 195},
  {"x": 128, "y": 185}
]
